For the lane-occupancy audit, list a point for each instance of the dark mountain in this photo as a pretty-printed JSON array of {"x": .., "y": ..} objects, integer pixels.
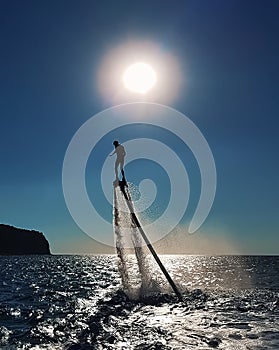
[{"x": 17, "y": 241}]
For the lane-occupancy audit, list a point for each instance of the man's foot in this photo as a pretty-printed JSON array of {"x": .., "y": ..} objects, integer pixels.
[{"x": 116, "y": 182}]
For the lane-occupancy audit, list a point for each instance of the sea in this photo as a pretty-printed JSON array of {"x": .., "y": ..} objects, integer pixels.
[{"x": 80, "y": 302}]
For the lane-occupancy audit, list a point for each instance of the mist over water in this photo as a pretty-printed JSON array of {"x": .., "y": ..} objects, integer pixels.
[{"x": 134, "y": 268}]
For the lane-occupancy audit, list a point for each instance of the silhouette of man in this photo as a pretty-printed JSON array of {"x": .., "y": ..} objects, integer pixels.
[{"x": 120, "y": 154}]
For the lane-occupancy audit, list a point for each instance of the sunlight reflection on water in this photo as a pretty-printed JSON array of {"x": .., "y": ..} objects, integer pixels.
[{"x": 60, "y": 302}]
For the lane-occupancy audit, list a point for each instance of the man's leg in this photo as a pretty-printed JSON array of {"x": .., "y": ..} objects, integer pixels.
[
  {"x": 121, "y": 166},
  {"x": 116, "y": 168}
]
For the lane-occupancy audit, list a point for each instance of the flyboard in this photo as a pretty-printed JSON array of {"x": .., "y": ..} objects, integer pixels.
[{"x": 124, "y": 189}]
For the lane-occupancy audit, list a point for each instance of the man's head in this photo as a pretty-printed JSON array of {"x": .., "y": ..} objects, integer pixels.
[{"x": 116, "y": 143}]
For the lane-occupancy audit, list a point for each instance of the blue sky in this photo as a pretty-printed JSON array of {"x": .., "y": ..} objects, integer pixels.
[{"x": 51, "y": 54}]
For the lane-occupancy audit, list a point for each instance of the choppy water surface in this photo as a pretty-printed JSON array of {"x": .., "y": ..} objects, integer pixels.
[{"x": 77, "y": 302}]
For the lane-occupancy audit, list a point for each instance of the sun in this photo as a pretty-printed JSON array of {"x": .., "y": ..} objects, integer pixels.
[{"x": 139, "y": 77}]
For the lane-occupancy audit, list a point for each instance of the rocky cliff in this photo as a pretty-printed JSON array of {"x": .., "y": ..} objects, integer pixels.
[{"x": 17, "y": 241}]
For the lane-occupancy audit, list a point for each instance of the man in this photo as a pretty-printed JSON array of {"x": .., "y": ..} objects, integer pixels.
[{"x": 120, "y": 154}]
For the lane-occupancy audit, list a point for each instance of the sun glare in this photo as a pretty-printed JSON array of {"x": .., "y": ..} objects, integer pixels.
[{"x": 139, "y": 77}]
